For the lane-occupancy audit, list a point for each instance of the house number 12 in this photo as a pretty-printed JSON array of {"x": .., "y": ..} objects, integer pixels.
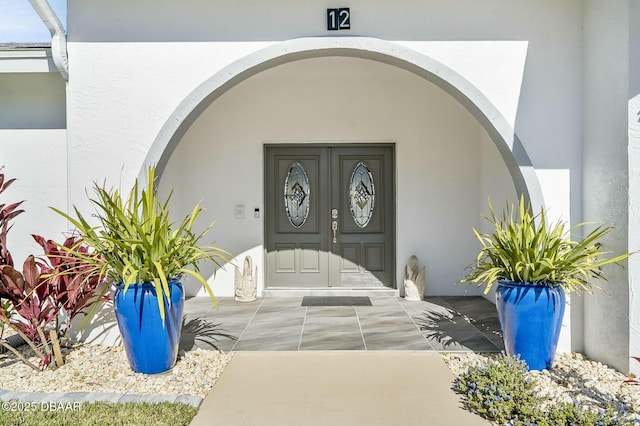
[{"x": 338, "y": 19}]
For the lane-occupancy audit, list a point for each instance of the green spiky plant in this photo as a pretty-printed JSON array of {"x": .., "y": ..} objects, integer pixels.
[
  {"x": 523, "y": 247},
  {"x": 137, "y": 242}
]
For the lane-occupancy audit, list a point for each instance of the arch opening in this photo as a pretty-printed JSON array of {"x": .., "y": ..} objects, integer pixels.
[
  {"x": 225, "y": 109},
  {"x": 501, "y": 133}
]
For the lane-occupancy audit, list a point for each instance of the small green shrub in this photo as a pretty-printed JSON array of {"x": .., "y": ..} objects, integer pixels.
[
  {"x": 498, "y": 390},
  {"x": 136, "y": 241},
  {"x": 574, "y": 415},
  {"x": 501, "y": 391},
  {"x": 524, "y": 247}
]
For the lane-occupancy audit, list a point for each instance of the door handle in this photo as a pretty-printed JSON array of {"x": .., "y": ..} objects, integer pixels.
[{"x": 334, "y": 228}]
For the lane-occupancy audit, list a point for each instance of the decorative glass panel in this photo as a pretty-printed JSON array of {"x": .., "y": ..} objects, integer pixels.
[
  {"x": 362, "y": 194},
  {"x": 297, "y": 194}
]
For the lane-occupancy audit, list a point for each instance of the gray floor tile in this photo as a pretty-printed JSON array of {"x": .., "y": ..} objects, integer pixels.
[
  {"x": 437, "y": 301},
  {"x": 274, "y": 326},
  {"x": 489, "y": 325},
  {"x": 331, "y": 311},
  {"x": 275, "y": 323},
  {"x": 468, "y": 341},
  {"x": 388, "y": 323},
  {"x": 232, "y": 321},
  {"x": 472, "y": 306},
  {"x": 446, "y": 345},
  {"x": 390, "y": 311},
  {"x": 393, "y": 332},
  {"x": 477, "y": 343},
  {"x": 278, "y": 302},
  {"x": 385, "y": 301},
  {"x": 231, "y": 307},
  {"x": 496, "y": 339},
  {"x": 268, "y": 341},
  {"x": 231, "y": 302},
  {"x": 329, "y": 325},
  {"x": 452, "y": 328},
  {"x": 199, "y": 332},
  {"x": 375, "y": 341},
  {"x": 336, "y": 341},
  {"x": 279, "y": 312}
]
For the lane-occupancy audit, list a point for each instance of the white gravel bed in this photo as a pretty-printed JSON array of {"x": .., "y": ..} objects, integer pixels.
[
  {"x": 96, "y": 368},
  {"x": 573, "y": 378}
]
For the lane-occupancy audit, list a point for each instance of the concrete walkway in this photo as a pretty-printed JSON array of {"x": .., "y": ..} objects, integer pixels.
[{"x": 335, "y": 388}]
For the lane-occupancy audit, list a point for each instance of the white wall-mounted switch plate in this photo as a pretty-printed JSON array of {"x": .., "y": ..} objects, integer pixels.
[{"x": 240, "y": 212}]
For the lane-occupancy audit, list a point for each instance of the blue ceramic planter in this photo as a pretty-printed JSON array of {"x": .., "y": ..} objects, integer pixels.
[
  {"x": 530, "y": 318},
  {"x": 151, "y": 344}
]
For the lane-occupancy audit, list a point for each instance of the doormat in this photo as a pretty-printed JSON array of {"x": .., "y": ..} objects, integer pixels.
[{"x": 336, "y": 301}]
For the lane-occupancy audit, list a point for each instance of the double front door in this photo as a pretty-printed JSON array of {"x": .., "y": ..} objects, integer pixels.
[{"x": 329, "y": 216}]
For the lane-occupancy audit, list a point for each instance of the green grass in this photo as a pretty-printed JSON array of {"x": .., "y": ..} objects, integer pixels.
[{"x": 99, "y": 413}]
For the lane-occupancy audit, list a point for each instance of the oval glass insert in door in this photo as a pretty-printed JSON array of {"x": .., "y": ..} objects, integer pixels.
[
  {"x": 297, "y": 194},
  {"x": 362, "y": 194}
]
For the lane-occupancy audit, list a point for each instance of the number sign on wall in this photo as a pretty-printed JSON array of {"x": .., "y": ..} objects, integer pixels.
[{"x": 338, "y": 19}]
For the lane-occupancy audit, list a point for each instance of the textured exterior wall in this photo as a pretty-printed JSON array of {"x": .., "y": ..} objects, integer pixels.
[
  {"x": 606, "y": 177},
  {"x": 634, "y": 183},
  {"x": 37, "y": 159}
]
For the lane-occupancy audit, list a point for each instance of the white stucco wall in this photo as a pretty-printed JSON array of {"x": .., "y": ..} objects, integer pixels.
[
  {"x": 634, "y": 183},
  {"x": 37, "y": 159},
  {"x": 605, "y": 183}
]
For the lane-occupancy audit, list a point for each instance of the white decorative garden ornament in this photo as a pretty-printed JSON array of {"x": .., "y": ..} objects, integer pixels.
[
  {"x": 414, "y": 280},
  {"x": 246, "y": 281}
]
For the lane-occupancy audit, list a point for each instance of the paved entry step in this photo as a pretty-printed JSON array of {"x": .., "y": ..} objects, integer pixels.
[{"x": 329, "y": 292}]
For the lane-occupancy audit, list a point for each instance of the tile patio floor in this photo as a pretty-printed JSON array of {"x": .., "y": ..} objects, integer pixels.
[{"x": 282, "y": 324}]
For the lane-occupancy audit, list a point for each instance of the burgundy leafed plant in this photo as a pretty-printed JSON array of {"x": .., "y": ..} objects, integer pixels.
[
  {"x": 44, "y": 288},
  {"x": 33, "y": 299},
  {"x": 73, "y": 282},
  {"x": 7, "y": 212},
  {"x": 30, "y": 294}
]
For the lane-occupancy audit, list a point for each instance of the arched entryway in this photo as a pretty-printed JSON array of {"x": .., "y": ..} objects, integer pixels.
[{"x": 246, "y": 87}]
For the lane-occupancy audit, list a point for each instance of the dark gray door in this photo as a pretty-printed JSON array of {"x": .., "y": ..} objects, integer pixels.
[{"x": 329, "y": 216}]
